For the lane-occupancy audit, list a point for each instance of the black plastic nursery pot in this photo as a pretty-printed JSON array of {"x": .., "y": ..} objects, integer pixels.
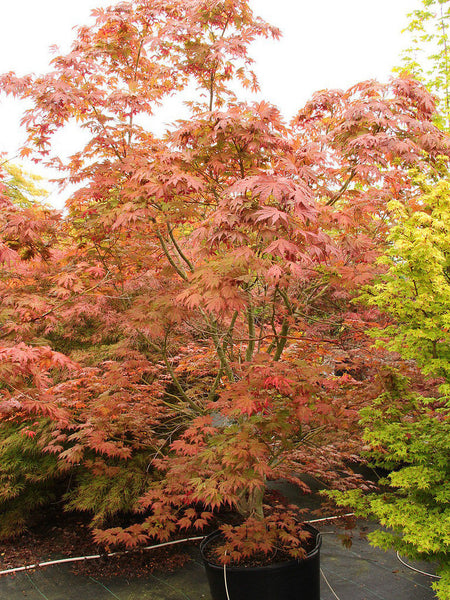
[{"x": 290, "y": 580}]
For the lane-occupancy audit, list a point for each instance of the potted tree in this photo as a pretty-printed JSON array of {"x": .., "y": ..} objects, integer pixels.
[{"x": 225, "y": 255}]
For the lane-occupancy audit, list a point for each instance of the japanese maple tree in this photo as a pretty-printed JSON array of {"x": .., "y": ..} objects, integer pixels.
[
  {"x": 199, "y": 285},
  {"x": 408, "y": 430},
  {"x": 428, "y": 56}
]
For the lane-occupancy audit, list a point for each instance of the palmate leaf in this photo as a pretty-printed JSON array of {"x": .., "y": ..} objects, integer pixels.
[
  {"x": 287, "y": 250},
  {"x": 272, "y": 216},
  {"x": 268, "y": 189}
]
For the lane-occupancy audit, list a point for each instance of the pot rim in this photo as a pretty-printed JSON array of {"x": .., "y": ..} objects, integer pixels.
[{"x": 286, "y": 563}]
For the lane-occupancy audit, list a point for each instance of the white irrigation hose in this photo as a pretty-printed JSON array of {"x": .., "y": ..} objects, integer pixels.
[
  {"x": 94, "y": 556},
  {"x": 328, "y": 584},
  {"x": 225, "y": 579},
  {"x": 416, "y": 570},
  {"x": 331, "y": 518}
]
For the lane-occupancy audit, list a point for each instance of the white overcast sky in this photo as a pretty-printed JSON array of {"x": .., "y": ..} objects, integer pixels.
[{"x": 325, "y": 44}]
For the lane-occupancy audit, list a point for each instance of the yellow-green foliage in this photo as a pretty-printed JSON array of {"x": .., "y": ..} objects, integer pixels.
[
  {"x": 23, "y": 188},
  {"x": 428, "y": 55},
  {"x": 416, "y": 288},
  {"x": 409, "y": 435}
]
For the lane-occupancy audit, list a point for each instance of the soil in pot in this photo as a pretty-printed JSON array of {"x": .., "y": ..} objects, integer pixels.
[{"x": 282, "y": 579}]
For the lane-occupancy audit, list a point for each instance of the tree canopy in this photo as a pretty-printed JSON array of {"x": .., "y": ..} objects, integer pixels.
[{"x": 185, "y": 331}]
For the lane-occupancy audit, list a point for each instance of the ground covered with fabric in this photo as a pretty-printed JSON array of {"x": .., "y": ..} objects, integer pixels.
[{"x": 62, "y": 535}]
